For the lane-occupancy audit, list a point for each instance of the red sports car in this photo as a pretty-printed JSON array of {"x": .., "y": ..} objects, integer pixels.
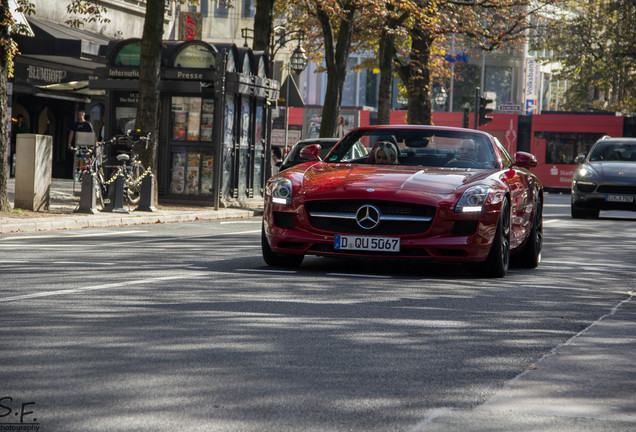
[{"x": 408, "y": 192}]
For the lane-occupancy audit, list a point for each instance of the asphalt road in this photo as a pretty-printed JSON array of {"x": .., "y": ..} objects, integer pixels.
[{"x": 183, "y": 327}]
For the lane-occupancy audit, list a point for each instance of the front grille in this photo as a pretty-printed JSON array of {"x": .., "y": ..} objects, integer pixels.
[
  {"x": 585, "y": 188},
  {"x": 385, "y": 227},
  {"x": 283, "y": 219},
  {"x": 617, "y": 189},
  {"x": 465, "y": 228}
]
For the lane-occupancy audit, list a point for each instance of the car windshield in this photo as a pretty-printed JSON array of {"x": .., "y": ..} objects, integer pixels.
[
  {"x": 613, "y": 151},
  {"x": 416, "y": 147}
]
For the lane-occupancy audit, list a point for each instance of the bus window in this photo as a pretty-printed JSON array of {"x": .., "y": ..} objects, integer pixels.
[{"x": 564, "y": 147}]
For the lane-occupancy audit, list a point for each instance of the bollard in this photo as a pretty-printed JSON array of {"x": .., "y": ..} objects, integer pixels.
[
  {"x": 116, "y": 194},
  {"x": 88, "y": 196},
  {"x": 147, "y": 194}
]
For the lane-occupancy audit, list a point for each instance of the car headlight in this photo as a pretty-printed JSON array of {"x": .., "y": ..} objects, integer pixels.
[
  {"x": 472, "y": 200},
  {"x": 584, "y": 172},
  {"x": 281, "y": 190}
]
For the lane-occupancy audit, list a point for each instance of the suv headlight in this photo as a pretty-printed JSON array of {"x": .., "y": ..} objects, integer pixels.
[
  {"x": 472, "y": 200},
  {"x": 281, "y": 190},
  {"x": 584, "y": 172}
]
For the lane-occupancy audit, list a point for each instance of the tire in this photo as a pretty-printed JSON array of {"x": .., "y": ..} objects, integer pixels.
[
  {"x": 277, "y": 259},
  {"x": 498, "y": 261},
  {"x": 133, "y": 190},
  {"x": 583, "y": 213},
  {"x": 102, "y": 189},
  {"x": 530, "y": 256},
  {"x": 99, "y": 197}
]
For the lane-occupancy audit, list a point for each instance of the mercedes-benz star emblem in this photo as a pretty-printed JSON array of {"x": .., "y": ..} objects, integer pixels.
[{"x": 368, "y": 216}]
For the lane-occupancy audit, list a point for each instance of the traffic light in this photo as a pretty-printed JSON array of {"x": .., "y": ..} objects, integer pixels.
[
  {"x": 484, "y": 110},
  {"x": 466, "y": 113}
]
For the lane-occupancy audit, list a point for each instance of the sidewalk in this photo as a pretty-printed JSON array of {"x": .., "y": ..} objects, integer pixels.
[
  {"x": 587, "y": 384},
  {"x": 64, "y": 200}
]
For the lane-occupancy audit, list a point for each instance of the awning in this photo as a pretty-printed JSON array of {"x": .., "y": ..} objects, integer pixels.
[
  {"x": 56, "y": 39},
  {"x": 55, "y": 76},
  {"x": 58, "y": 60}
]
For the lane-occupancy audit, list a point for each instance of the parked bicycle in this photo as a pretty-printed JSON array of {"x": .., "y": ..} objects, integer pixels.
[
  {"x": 93, "y": 164},
  {"x": 129, "y": 166}
]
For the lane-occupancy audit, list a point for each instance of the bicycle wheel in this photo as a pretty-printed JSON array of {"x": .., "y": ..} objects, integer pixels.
[
  {"x": 133, "y": 182},
  {"x": 101, "y": 188}
]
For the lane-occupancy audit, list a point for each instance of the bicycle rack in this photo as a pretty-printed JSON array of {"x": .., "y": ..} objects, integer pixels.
[
  {"x": 88, "y": 198},
  {"x": 116, "y": 194},
  {"x": 147, "y": 194}
]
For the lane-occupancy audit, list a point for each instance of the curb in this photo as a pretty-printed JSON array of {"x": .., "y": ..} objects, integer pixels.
[{"x": 65, "y": 222}]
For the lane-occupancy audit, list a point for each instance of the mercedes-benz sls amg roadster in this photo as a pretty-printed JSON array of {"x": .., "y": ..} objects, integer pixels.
[{"x": 408, "y": 192}]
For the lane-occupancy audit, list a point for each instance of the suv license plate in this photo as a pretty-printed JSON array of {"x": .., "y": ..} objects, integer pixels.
[
  {"x": 619, "y": 198},
  {"x": 380, "y": 244}
]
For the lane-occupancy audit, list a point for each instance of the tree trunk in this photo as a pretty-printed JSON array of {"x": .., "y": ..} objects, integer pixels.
[
  {"x": 385, "y": 89},
  {"x": 263, "y": 19},
  {"x": 336, "y": 61},
  {"x": 417, "y": 79},
  {"x": 147, "y": 119},
  {"x": 5, "y": 205}
]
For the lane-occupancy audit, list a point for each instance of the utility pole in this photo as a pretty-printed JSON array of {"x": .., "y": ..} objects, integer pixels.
[{"x": 476, "y": 118}]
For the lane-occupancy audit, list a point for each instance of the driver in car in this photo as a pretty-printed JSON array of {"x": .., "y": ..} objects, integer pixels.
[{"x": 468, "y": 150}]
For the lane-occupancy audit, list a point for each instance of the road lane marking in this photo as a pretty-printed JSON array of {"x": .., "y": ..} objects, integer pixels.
[
  {"x": 107, "y": 233},
  {"x": 596, "y": 264},
  {"x": 358, "y": 275},
  {"x": 71, "y": 235},
  {"x": 239, "y": 232},
  {"x": 555, "y": 287},
  {"x": 268, "y": 271},
  {"x": 98, "y": 287}
]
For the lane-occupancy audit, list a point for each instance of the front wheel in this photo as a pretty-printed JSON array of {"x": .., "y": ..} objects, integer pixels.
[
  {"x": 498, "y": 261},
  {"x": 133, "y": 182},
  {"x": 530, "y": 256},
  {"x": 277, "y": 259},
  {"x": 583, "y": 213}
]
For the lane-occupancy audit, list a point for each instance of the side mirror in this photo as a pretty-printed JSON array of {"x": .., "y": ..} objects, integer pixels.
[
  {"x": 525, "y": 160},
  {"x": 579, "y": 159},
  {"x": 311, "y": 152}
]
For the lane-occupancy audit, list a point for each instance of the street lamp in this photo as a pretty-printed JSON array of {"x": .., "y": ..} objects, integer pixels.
[
  {"x": 441, "y": 97},
  {"x": 279, "y": 39},
  {"x": 297, "y": 62}
]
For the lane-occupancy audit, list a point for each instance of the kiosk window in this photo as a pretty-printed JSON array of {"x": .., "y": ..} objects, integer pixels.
[
  {"x": 192, "y": 171},
  {"x": 192, "y": 118}
]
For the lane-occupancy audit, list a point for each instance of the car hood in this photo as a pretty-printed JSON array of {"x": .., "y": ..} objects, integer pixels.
[
  {"x": 616, "y": 171},
  {"x": 350, "y": 178}
]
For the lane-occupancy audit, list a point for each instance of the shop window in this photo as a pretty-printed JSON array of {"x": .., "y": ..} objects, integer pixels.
[
  {"x": 192, "y": 171},
  {"x": 249, "y": 9},
  {"x": 192, "y": 118},
  {"x": 221, "y": 9}
]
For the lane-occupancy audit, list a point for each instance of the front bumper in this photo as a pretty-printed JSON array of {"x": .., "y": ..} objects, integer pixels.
[
  {"x": 450, "y": 237},
  {"x": 603, "y": 196}
]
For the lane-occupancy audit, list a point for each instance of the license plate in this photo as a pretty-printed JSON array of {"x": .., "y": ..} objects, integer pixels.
[
  {"x": 380, "y": 244},
  {"x": 619, "y": 198}
]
